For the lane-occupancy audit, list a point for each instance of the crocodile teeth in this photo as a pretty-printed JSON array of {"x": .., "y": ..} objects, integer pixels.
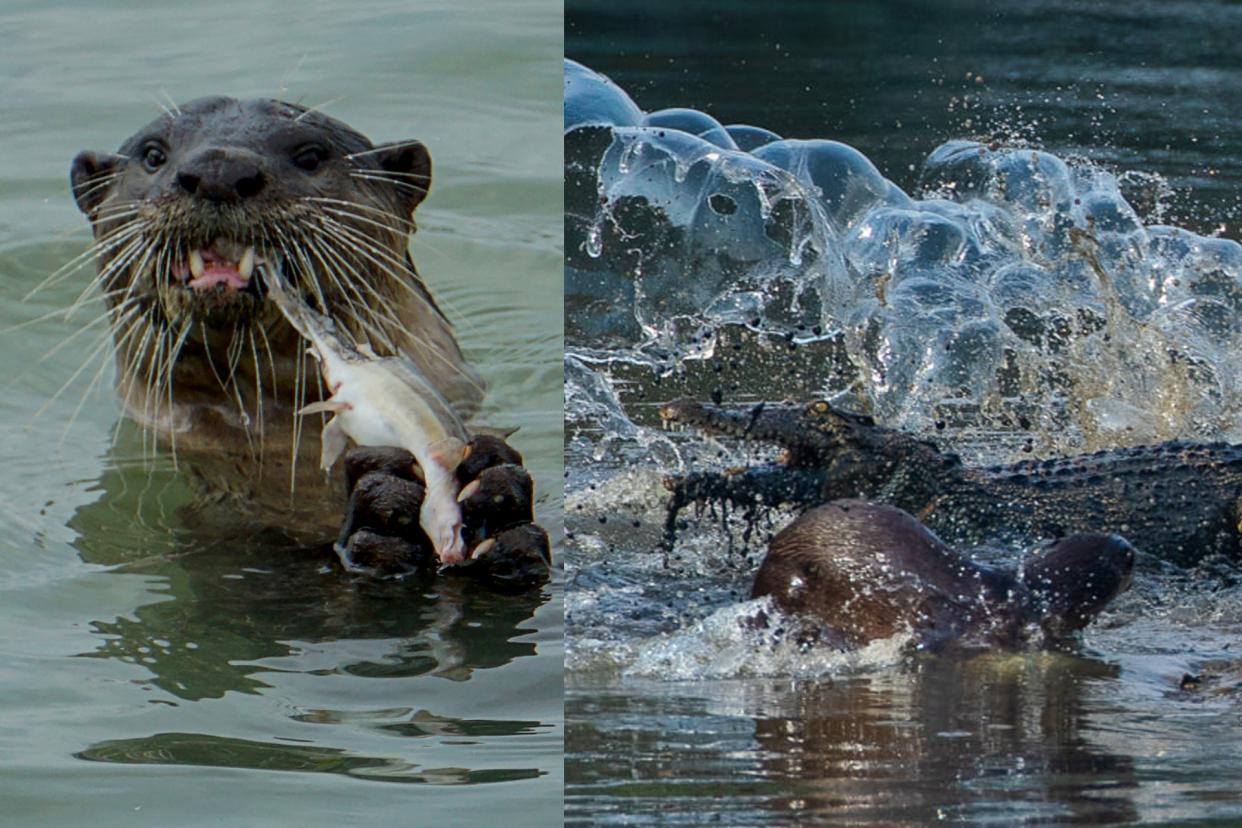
[{"x": 196, "y": 264}]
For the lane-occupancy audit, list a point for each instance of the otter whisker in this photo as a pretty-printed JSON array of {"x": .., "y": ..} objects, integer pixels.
[
  {"x": 116, "y": 212},
  {"x": 153, "y": 385},
  {"x": 291, "y": 250},
  {"x": 389, "y": 174},
  {"x": 175, "y": 352},
  {"x": 122, "y": 261},
  {"x": 403, "y": 226},
  {"x": 236, "y": 347},
  {"x": 176, "y": 109},
  {"x": 431, "y": 348},
  {"x": 103, "y": 342},
  {"x": 68, "y": 340},
  {"x": 129, "y": 355},
  {"x": 331, "y": 229},
  {"x": 336, "y": 211},
  {"x": 258, "y": 395},
  {"x": 234, "y": 350},
  {"x": 160, "y": 376},
  {"x": 413, "y": 142},
  {"x": 342, "y": 289},
  {"x": 382, "y": 321},
  {"x": 101, "y": 245},
  {"x": 134, "y": 321},
  {"x": 319, "y": 107},
  {"x": 299, "y": 254},
  {"x": 399, "y": 269},
  {"x": 112, "y": 210},
  {"x": 271, "y": 360},
  {"x": 210, "y": 361},
  {"x": 349, "y": 238},
  {"x": 52, "y": 314},
  {"x": 406, "y": 185},
  {"x": 299, "y": 400},
  {"x": 168, "y": 113},
  {"x": 98, "y": 183},
  {"x": 391, "y": 264}
]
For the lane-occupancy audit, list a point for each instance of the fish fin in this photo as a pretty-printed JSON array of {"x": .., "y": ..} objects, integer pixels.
[
  {"x": 322, "y": 407},
  {"x": 503, "y": 432},
  {"x": 333, "y": 441},
  {"x": 366, "y": 350},
  {"x": 448, "y": 453}
]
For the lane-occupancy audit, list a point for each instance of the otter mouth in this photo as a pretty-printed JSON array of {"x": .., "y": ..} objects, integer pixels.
[{"x": 223, "y": 266}]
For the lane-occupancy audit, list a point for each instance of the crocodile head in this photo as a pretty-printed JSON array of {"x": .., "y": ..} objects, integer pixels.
[{"x": 856, "y": 456}]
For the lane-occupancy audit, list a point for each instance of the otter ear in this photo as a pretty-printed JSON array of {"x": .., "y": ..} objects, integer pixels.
[
  {"x": 408, "y": 165},
  {"x": 89, "y": 177}
]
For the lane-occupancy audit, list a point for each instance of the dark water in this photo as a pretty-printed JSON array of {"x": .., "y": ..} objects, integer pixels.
[
  {"x": 154, "y": 675},
  {"x": 674, "y": 715},
  {"x": 1147, "y": 86}
]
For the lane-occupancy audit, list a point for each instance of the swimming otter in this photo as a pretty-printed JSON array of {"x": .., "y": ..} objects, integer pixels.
[
  {"x": 864, "y": 571},
  {"x": 185, "y": 213}
]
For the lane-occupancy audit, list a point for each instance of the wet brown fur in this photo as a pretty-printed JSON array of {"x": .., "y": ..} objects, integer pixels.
[
  {"x": 215, "y": 376},
  {"x": 867, "y": 571}
]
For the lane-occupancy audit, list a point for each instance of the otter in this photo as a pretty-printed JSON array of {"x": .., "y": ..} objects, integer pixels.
[
  {"x": 859, "y": 571},
  {"x": 184, "y": 214}
]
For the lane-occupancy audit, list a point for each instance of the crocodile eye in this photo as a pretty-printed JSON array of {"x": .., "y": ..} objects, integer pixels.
[
  {"x": 309, "y": 158},
  {"x": 153, "y": 157}
]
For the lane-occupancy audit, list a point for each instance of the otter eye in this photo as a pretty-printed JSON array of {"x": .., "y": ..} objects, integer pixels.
[
  {"x": 308, "y": 158},
  {"x": 153, "y": 158}
]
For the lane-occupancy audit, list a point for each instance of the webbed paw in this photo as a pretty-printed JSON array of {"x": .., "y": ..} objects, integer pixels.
[{"x": 381, "y": 534}]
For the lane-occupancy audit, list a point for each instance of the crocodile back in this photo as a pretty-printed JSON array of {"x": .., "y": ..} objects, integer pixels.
[{"x": 1175, "y": 500}]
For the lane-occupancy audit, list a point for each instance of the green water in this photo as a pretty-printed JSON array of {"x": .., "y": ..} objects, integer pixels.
[
  {"x": 675, "y": 716},
  {"x": 151, "y": 676}
]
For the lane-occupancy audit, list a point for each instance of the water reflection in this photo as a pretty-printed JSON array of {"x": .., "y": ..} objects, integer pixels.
[
  {"x": 244, "y": 612},
  {"x": 993, "y": 737},
  {"x": 214, "y": 751}
]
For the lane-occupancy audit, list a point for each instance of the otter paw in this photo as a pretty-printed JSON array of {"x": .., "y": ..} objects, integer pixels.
[
  {"x": 381, "y": 533},
  {"x": 515, "y": 560},
  {"x": 500, "y": 497},
  {"x": 384, "y": 555}
]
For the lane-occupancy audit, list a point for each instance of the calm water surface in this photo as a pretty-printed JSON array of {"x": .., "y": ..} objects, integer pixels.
[
  {"x": 674, "y": 716},
  {"x": 151, "y": 676}
]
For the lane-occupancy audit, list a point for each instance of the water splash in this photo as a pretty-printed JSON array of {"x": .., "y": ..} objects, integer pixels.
[{"x": 1015, "y": 302}]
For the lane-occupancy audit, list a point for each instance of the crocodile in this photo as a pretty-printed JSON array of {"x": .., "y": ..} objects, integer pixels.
[{"x": 1177, "y": 501}]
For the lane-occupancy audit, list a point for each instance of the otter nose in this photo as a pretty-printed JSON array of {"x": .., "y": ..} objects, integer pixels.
[{"x": 221, "y": 175}]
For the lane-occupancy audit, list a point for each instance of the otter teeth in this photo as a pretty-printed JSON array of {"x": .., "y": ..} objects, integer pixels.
[
  {"x": 196, "y": 264},
  {"x": 246, "y": 266}
]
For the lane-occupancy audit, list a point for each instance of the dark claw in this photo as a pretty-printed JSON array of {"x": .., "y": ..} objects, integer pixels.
[
  {"x": 500, "y": 497},
  {"x": 486, "y": 451},
  {"x": 517, "y": 559}
]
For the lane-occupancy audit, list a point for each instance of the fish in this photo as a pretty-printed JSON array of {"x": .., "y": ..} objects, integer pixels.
[{"x": 384, "y": 401}]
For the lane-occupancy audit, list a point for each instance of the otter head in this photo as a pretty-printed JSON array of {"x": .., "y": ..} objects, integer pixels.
[
  {"x": 198, "y": 201},
  {"x": 195, "y": 200},
  {"x": 1073, "y": 578}
]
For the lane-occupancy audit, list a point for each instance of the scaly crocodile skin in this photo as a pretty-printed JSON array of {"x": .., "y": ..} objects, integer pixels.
[{"x": 1177, "y": 501}]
